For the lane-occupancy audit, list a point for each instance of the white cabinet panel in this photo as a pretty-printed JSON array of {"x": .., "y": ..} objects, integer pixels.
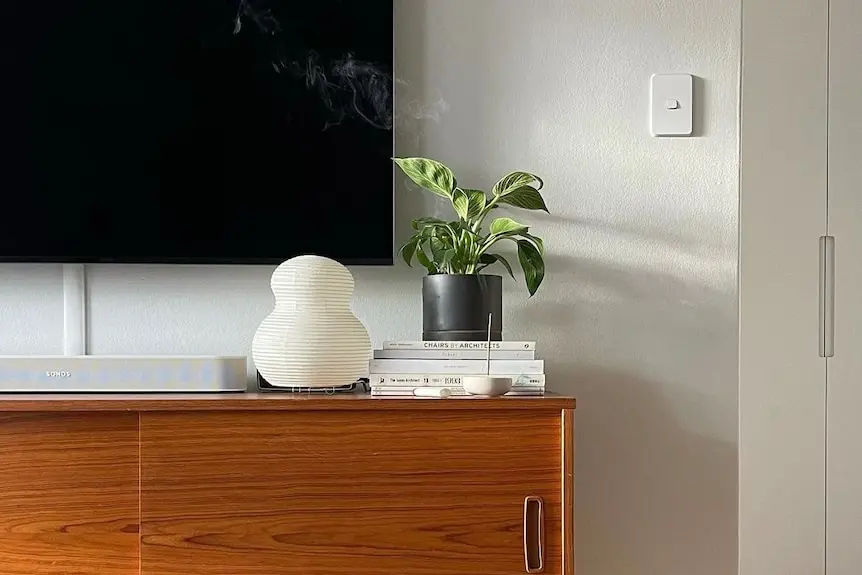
[
  {"x": 844, "y": 369},
  {"x": 782, "y": 216}
]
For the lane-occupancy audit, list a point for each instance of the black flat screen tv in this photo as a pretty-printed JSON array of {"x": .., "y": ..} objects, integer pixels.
[{"x": 196, "y": 131}]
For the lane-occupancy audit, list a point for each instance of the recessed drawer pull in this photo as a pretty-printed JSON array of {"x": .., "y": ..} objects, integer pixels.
[{"x": 534, "y": 534}]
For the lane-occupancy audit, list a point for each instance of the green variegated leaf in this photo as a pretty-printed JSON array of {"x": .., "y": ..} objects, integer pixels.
[
  {"x": 526, "y": 197},
  {"x": 439, "y": 229},
  {"x": 461, "y": 203},
  {"x": 514, "y": 181},
  {"x": 464, "y": 242},
  {"x": 540, "y": 244},
  {"x": 447, "y": 256},
  {"x": 461, "y": 259},
  {"x": 532, "y": 264},
  {"x": 478, "y": 201},
  {"x": 431, "y": 175},
  {"x": 489, "y": 259},
  {"x": 439, "y": 242},
  {"x": 469, "y": 203},
  {"x": 507, "y": 226},
  {"x": 437, "y": 247},
  {"x": 419, "y": 223},
  {"x": 408, "y": 249},
  {"x": 423, "y": 259}
]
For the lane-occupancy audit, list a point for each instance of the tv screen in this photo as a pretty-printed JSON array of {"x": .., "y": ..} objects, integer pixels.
[{"x": 196, "y": 131}]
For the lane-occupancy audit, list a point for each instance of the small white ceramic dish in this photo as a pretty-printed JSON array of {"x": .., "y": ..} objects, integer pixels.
[
  {"x": 488, "y": 385},
  {"x": 442, "y": 392}
]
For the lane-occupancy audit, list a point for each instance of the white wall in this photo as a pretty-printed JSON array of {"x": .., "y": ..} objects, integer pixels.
[{"x": 637, "y": 317}]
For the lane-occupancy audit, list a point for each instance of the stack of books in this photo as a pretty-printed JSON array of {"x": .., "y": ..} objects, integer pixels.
[{"x": 403, "y": 366}]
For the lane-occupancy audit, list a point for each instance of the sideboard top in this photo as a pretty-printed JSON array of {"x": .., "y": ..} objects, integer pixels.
[{"x": 268, "y": 402}]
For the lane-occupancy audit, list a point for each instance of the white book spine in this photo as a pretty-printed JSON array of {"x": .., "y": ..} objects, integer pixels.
[
  {"x": 453, "y": 391},
  {"x": 465, "y": 345},
  {"x": 452, "y": 354},
  {"x": 457, "y": 366},
  {"x": 442, "y": 380},
  {"x": 410, "y": 388}
]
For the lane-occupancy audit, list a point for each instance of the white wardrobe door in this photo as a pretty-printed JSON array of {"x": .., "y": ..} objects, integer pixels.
[
  {"x": 844, "y": 369},
  {"x": 782, "y": 378}
]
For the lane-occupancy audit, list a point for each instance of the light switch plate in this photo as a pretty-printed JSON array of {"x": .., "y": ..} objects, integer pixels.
[{"x": 671, "y": 104}]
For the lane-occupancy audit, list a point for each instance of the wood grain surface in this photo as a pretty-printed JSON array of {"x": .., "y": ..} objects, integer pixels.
[
  {"x": 69, "y": 494},
  {"x": 268, "y": 402},
  {"x": 323, "y": 493},
  {"x": 568, "y": 473}
]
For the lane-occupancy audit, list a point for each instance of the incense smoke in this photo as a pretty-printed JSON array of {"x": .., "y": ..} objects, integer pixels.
[{"x": 349, "y": 88}]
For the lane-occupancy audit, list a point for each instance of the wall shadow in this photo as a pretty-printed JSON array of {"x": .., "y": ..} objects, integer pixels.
[
  {"x": 650, "y": 491},
  {"x": 651, "y": 359}
]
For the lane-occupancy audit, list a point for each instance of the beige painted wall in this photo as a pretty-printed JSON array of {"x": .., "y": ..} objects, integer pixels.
[{"x": 638, "y": 315}]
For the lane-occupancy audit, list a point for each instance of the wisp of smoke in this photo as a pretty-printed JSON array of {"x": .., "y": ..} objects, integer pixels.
[
  {"x": 261, "y": 17},
  {"x": 349, "y": 88},
  {"x": 352, "y": 88},
  {"x": 419, "y": 111}
]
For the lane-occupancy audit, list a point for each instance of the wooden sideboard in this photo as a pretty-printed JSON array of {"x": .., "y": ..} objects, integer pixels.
[{"x": 281, "y": 485}]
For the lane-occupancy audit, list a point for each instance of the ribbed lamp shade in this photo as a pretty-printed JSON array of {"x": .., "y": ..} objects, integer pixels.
[{"x": 311, "y": 338}]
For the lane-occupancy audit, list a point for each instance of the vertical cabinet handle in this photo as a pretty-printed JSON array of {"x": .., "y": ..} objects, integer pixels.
[
  {"x": 827, "y": 296},
  {"x": 534, "y": 534}
]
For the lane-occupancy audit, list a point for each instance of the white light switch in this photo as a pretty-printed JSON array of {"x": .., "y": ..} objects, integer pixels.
[{"x": 671, "y": 104}]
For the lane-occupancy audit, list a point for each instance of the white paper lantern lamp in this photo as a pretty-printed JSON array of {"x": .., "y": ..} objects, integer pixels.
[{"x": 311, "y": 338}]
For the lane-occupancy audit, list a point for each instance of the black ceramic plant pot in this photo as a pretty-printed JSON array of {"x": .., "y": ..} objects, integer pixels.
[{"x": 456, "y": 307}]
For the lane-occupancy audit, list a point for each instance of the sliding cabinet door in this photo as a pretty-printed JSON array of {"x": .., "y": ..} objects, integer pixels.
[
  {"x": 69, "y": 494},
  {"x": 352, "y": 493},
  {"x": 844, "y": 368}
]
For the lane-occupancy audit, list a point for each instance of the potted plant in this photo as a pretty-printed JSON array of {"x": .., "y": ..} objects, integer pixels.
[{"x": 456, "y": 296}]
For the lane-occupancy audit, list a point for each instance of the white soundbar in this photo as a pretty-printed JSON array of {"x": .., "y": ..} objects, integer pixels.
[{"x": 122, "y": 374}]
